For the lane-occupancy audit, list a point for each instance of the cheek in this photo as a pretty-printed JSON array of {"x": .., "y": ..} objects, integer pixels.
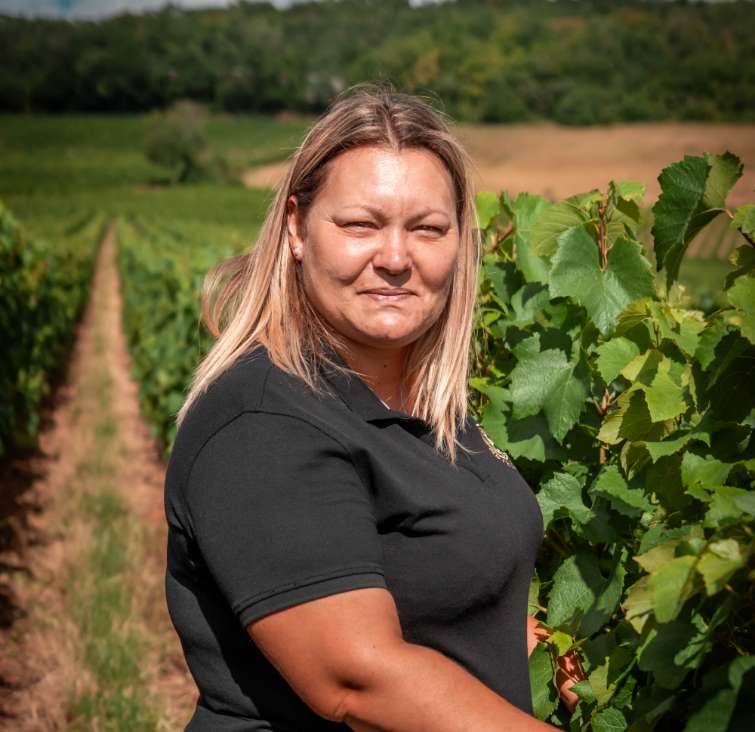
[
  {"x": 337, "y": 262},
  {"x": 438, "y": 269}
]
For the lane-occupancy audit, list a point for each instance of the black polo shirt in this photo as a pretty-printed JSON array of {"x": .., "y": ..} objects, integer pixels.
[{"x": 276, "y": 496}]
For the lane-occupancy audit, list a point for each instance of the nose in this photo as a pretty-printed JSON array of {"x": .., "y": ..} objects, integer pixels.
[{"x": 392, "y": 254}]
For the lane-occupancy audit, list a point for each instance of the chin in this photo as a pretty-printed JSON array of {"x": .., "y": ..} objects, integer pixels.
[
  {"x": 382, "y": 334},
  {"x": 383, "y": 339}
]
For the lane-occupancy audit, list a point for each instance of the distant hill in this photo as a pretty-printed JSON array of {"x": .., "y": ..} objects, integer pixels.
[{"x": 487, "y": 60}]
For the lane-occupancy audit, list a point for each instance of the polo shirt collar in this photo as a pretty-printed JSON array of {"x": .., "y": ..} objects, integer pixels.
[{"x": 358, "y": 397}]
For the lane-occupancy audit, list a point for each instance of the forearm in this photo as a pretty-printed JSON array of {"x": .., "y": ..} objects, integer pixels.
[
  {"x": 569, "y": 666},
  {"x": 534, "y": 634},
  {"x": 418, "y": 688}
]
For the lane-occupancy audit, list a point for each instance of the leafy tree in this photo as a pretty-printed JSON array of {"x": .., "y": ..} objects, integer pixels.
[{"x": 177, "y": 139}]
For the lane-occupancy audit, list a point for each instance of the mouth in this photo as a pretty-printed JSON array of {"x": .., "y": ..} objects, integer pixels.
[{"x": 387, "y": 294}]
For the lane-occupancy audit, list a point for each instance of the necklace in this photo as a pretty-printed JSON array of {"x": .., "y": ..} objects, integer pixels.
[
  {"x": 500, "y": 454},
  {"x": 400, "y": 396}
]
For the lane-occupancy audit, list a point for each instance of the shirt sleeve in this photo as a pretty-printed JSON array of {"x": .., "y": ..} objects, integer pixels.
[{"x": 280, "y": 515}]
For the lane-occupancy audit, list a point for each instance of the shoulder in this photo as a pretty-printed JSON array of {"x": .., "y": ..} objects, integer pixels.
[
  {"x": 238, "y": 389},
  {"x": 253, "y": 383},
  {"x": 267, "y": 448},
  {"x": 255, "y": 456},
  {"x": 253, "y": 394}
]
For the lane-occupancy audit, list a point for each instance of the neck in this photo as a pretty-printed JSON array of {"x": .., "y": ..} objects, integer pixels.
[{"x": 381, "y": 369}]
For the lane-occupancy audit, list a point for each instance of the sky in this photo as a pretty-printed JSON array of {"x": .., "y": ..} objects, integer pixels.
[
  {"x": 73, "y": 9},
  {"x": 98, "y": 8}
]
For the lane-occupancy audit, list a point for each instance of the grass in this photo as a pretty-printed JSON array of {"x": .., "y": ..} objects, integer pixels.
[
  {"x": 248, "y": 140},
  {"x": 100, "y": 593},
  {"x": 101, "y": 604},
  {"x": 67, "y": 153}
]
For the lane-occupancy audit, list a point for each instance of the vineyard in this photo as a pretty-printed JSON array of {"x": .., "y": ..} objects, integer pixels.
[
  {"x": 621, "y": 390},
  {"x": 631, "y": 410},
  {"x": 44, "y": 282},
  {"x": 162, "y": 269}
]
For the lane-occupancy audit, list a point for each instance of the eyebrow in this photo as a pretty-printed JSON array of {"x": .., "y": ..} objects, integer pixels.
[{"x": 379, "y": 214}]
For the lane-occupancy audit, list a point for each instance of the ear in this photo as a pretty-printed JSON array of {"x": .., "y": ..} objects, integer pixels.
[{"x": 293, "y": 224}]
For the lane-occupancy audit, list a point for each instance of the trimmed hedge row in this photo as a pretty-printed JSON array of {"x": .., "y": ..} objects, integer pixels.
[
  {"x": 161, "y": 273},
  {"x": 44, "y": 288}
]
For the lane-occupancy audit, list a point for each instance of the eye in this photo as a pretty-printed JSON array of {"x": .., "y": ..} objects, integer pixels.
[
  {"x": 433, "y": 229},
  {"x": 359, "y": 224}
]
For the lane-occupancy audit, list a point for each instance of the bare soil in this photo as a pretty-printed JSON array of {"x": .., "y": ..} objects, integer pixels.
[
  {"x": 557, "y": 161},
  {"x": 41, "y": 664}
]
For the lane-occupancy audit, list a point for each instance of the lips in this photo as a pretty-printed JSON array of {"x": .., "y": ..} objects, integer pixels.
[{"x": 387, "y": 291}]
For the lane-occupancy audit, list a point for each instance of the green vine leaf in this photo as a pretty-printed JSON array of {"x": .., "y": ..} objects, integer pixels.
[
  {"x": 528, "y": 209},
  {"x": 718, "y": 711},
  {"x": 742, "y": 296},
  {"x": 488, "y": 207},
  {"x": 627, "y": 501},
  {"x": 541, "y": 670},
  {"x": 632, "y": 421},
  {"x": 581, "y": 598},
  {"x": 663, "y": 643},
  {"x": 664, "y": 397},
  {"x": 718, "y": 563},
  {"x": 609, "y": 720},
  {"x": 693, "y": 194},
  {"x": 549, "y": 382},
  {"x": 743, "y": 258},
  {"x": 744, "y": 219},
  {"x": 671, "y": 588},
  {"x": 630, "y": 412},
  {"x": 576, "y": 273},
  {"x": 562, "y": 495},
  {"x": 553, "y": 221}
]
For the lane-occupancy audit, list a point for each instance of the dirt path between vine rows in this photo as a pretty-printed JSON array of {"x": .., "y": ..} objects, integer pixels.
[{"x": 92, "y": 439}]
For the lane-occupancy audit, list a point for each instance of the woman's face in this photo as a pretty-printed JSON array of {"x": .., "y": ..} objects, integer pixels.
[{"x": 381, "y": 244}]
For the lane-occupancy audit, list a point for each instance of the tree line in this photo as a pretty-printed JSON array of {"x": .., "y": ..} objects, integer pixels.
[{"x": 572, "y": 62}]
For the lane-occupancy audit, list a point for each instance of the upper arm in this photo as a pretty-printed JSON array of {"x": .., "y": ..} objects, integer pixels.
[
  {"x": 287, "y": 531},
  {"x": 328, "y": 647}
]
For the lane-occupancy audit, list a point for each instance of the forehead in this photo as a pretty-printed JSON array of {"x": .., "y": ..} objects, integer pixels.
[{"x": 389, "y": 178}]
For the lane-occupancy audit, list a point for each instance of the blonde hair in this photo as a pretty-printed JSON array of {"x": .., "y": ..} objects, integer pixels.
[{"x": 258, "y": 298}]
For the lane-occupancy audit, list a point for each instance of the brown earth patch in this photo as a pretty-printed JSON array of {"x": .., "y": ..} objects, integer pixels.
[{"x": 557, "y": 161}]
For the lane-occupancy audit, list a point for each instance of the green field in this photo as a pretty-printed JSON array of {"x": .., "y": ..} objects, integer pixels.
[{"x": 52, "y": 167}]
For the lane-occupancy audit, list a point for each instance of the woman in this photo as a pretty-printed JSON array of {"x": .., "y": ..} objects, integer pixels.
[{"x": 345, "y": 550}]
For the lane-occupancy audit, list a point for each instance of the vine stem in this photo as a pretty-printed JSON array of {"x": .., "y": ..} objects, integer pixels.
[
  {"x": 602, "y": 238},
  {"x": 747, "y": 237},
  {"x": 554, "y": 540},
  {"x": 506, "y": 234},
  {"x": 601, "y": 409}
]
